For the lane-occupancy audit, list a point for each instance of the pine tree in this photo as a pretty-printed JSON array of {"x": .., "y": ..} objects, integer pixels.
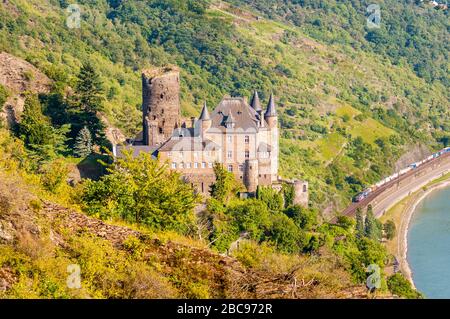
[
  {"x": 34, "y": 128},
  {"x": 89, "y": 95},
  {"x": 359, "y": 223},
  {"x": 372, "y": 225},
  {"x": 83, "y": 143}
]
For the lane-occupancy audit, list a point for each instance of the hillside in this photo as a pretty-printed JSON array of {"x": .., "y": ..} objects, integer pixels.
[
  {"x": 332, "y": 86},
  {"x": 354, "y": 105},
  {"x": 330, "y": 92},
  {"x": 40, "y": 239}
]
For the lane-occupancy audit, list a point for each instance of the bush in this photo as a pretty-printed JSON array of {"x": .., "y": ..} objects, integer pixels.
[
  {"x": 143, "y": 191},
  {"x": 400, "y": 286},
  {"x": 285, "y": 235}
]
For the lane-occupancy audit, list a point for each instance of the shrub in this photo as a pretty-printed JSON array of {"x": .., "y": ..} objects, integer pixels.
[{"x": 400, "y": 286}]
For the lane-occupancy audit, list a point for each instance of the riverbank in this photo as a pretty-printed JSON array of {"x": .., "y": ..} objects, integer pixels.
[{"x": 401, "y": 214}]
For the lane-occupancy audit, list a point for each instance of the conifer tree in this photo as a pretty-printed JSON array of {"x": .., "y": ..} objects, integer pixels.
[
  {"x": 372, "y": 226},
  {"x": 359, "y": 223},
  {"x": 89, "y": 95},
  {"x": 83, "y": 143}
]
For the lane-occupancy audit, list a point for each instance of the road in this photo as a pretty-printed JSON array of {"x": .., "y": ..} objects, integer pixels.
[{"x": 402, "y": 186}]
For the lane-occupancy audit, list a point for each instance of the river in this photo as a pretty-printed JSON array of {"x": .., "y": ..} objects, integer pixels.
[{"x": 429, "y": 245}]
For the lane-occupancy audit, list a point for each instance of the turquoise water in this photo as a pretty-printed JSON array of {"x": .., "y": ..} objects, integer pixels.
[{"x": 429, "y": 245}]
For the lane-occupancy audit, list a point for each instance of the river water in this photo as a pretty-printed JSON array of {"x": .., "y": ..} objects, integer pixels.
[{"x": 429, "y": 245}]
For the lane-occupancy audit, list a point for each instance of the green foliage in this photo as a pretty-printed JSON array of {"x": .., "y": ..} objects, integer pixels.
[
  {"x": 389, "y": 229},
  {"x": 83, "y": 143},
  {"x": 367, "y": 252},
  {"x": 400, "y": 286},
  {"x": 54, "y": 175},
  {"x": 359, "y": 227},
  {"x": 285, "y": 235},
  {"x": 252, "y": 216},
  {"x": 142, "y": 191},
  {"x": 35, "y": 129},
  {"x": 226, "y": 186},
  {"x": 272, "y": 198},
  {"x": 288, "y": 194},
  {"x": 304, "y": 218},
  {"x": 88, "y": 102},
  {"x": 346, "y": 222},
  {"x": 3, "y": 95},
  {"x": 372, "y": 226}
]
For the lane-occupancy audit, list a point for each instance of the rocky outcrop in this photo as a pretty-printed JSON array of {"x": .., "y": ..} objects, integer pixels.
[
  {"x": 19, "y": 76},
  {"x": 415, "y": 153}
]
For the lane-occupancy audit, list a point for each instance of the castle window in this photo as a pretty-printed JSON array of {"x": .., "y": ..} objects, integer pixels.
[
  {"x": 174, "y": 165},
  {"x": 160, "y": 130},
  {"x": 181, "y": 165},
  {"x": 195, "y": 165},
  {"x": 241, "y": 167},
  {"x": 229, "y": 154},
  {"x": 247, "y": 154},
  {"x": 210, "y": 165},
  {"x": 188, "y": 165},
  {"x": 247, "y": 139},
  {"x": 203, "y": 165},
  {"x": 304, "y": 188},
  {"x": 230, "y": 138},
  {"x": 230, "y": 168}
]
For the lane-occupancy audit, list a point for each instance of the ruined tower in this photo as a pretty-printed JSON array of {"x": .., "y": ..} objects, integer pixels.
[{"x": 160, "y": 104}]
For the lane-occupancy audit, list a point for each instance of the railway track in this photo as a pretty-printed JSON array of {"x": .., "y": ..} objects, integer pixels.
[{"x": 434, "y": 163}]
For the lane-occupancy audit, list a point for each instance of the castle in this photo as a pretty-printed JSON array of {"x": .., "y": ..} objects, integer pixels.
[{"x": 241, "y": 136}]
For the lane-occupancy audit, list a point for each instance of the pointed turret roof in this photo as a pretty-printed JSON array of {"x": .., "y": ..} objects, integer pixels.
[
  {"x": 204, "y": 115},
  {"x": 256, "y": 104},
  {"x": 271, "y": 110}
]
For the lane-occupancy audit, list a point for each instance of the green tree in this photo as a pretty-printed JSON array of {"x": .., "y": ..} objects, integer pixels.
[
  {"x": 83, "y": 143},
  {"x": 88, "y": 102},
  {"x": 45, "y": 141},
  {"x": 285, "y": 234},
  {"x": 389, "y": 229},
  {"x": 372, "y": 227},
  {"x": 226, "y": 186},
  {"x": 143, "y": 191},
  {"x": 272, "y": 198},
  {"x": 400, "y": 286},
  {"x": 304, "y": 218},
  {"x": 359, "y": 223},
  {"x": 251, "y": 216}
]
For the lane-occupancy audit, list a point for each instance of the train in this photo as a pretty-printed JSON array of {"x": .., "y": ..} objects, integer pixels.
[{"x": 366, "y": 192}]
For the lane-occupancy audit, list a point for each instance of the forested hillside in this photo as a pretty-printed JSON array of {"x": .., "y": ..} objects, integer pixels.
[{"x": 352, "y": 99}]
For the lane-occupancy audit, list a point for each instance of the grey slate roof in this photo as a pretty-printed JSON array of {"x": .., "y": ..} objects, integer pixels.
[
  {"x": 256, "y": 104},
  {"x": 136, "y": 149},
  {"x": 242, "y": 114},
  {"x": 204, "y": 115},
  {"x": 188, "y": 144},
  {"x": 271, "y": 110}
]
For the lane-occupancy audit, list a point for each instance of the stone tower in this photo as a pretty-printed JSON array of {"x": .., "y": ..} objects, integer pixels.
[
  {"x": 251, "y": 169},
  {"x": 160, "y": 104},
  {"x": 301, "y": 192}
]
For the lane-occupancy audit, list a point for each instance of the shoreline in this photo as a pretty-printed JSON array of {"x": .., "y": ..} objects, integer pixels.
[{"x": 406, "y": 216}]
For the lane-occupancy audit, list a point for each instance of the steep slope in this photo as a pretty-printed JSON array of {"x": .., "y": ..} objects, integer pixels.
[{"x": 40, "y": 239}]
